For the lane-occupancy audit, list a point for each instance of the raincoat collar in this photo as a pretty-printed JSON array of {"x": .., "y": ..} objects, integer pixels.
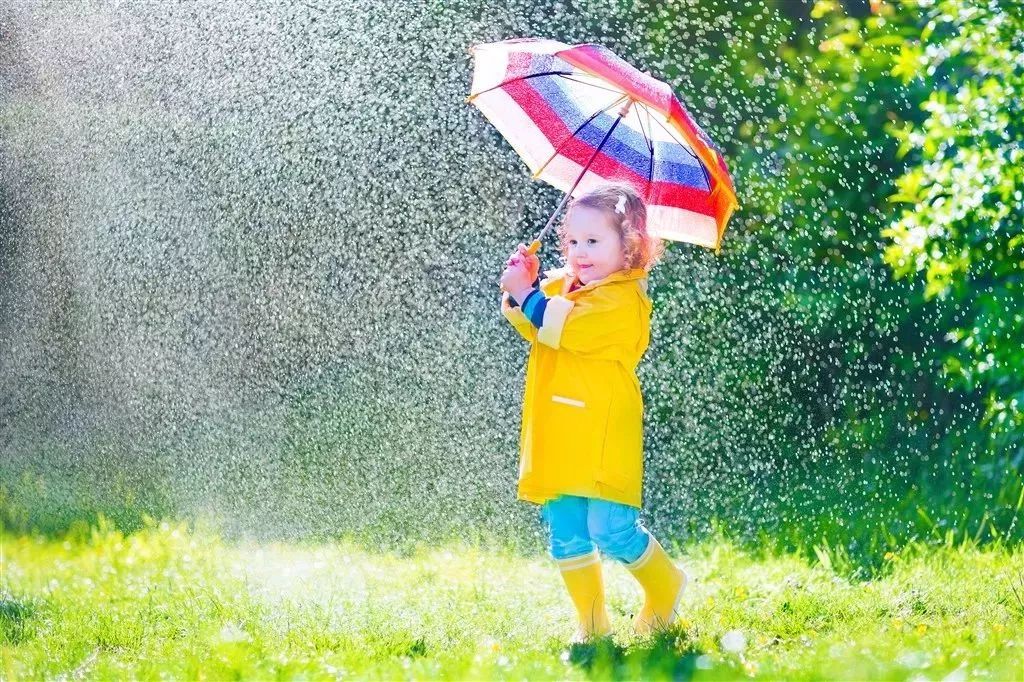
[{"x": 619, "y": 275}]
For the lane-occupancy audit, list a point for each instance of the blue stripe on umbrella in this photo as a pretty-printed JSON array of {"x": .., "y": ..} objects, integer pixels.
[
  {"x": 555, "y": 91},
  {"x": 673, "y": 163}
]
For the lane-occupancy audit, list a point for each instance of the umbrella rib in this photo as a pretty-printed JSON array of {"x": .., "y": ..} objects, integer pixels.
[
  {"x": 597, "y": 151},
  {"x": 578, "y": 129},
  {"x": 681, "y": 143},
  {"x": 519, "y": 78},
  {"x": 593, "y": 85},
  {"x": 650, "y": 148},
  {"x": 686, "y": 147},
  {"x": 651, "y": 185},
  {"x": 650, "y": 142}
]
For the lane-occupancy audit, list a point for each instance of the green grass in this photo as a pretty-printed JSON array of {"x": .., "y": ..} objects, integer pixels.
[{"x": 173, "y": 602}]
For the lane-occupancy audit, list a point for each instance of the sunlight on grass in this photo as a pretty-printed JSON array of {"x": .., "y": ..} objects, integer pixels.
[{"x": 170, "y": 602}]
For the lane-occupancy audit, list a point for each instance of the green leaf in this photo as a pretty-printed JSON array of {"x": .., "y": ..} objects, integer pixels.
[{"x": 908, "y": 62}]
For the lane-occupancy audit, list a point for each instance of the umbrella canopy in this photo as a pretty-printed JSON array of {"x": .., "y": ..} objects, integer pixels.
[{"x": 579, "y": 115}]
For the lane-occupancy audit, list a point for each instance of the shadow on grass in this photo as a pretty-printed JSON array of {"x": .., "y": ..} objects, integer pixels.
[{"x": 668, "y": 655}]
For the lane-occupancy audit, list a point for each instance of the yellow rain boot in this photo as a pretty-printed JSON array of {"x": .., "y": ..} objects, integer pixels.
[
  {"x": 582, "y": 576},
  {"x": 663, "y": 584}
]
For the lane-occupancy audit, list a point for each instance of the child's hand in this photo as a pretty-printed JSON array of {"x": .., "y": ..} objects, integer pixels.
[
  {"x": 516, "y": 279},
  {"x": 532, "y": 262}
]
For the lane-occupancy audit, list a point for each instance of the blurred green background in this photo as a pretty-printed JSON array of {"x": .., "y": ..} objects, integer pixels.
[{"x": 223, "y": 272}]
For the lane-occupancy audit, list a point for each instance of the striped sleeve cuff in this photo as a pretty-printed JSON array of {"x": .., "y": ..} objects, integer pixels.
[
  {"x": 533, "y": 307},
  {"x": 512, "y": 300},
  {"x": 555, "y": 313}
]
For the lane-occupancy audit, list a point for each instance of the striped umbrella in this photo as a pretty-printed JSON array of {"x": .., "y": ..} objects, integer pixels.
[{"x": 579, "y": 115}]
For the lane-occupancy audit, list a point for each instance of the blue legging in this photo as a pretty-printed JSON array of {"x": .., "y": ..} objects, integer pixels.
[{"x": 577, "y": 524}]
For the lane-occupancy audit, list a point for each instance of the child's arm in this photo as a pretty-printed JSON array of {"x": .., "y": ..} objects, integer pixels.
[
  {"x": 531, "y": 265},
  {"x": 515, "y": 316},
  {"x": 520, "y": 268},
  {"x": 604, "y": 324},
  {"x": 534, "y": 303},
  {"x": 515, "y": 281}
]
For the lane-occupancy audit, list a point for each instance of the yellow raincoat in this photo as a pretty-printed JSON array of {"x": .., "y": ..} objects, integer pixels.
[{"x": 582, "y": 427}]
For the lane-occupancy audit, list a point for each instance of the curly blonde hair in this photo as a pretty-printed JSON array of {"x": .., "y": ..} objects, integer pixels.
[{"x": 640, "y": 250}]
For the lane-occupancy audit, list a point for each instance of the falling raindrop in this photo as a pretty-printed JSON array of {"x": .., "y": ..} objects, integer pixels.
[{"x": 250, "y": 254}]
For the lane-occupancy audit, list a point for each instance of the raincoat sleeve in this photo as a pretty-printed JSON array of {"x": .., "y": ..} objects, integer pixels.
[
  {"x": 518, "y": 320},
  {"x": 602, "y": 325}
]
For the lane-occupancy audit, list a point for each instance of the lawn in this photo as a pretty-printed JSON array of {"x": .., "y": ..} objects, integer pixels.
[{"x": 173, "y": 601}]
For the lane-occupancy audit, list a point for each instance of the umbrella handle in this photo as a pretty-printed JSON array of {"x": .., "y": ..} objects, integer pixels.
[
  {"x": 531, "y": 249},
  {"x": 535, "y": 244}
]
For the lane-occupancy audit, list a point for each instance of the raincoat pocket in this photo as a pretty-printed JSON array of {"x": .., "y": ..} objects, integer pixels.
[
  {"x": 572, "y": 433},
  {"x": 568, "y": 401}
]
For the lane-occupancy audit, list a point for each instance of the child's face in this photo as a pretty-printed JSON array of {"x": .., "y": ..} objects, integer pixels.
[{"x": 593, "y": 248}]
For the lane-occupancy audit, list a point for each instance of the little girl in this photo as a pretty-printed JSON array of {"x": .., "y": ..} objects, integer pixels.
[{"x": 581, "y": 440}]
